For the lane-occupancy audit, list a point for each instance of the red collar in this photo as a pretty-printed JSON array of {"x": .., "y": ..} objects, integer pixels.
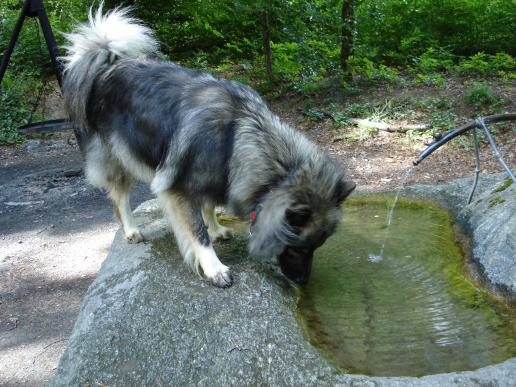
[{"x": 253, "y": 215}]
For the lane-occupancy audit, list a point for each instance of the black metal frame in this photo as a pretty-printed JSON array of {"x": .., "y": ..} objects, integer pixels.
[
  {"x": 35, "y": 8},
  {"x": 480, "y": 123}
]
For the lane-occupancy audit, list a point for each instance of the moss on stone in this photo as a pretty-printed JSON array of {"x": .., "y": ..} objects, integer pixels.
[
  {"x": 495, "y": 200},
  {"x": 164, "y": 245},
  {"x": 502, "y": 187}
]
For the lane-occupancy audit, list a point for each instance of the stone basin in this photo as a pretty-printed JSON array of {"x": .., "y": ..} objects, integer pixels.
[{"x": 147, "y": 319}]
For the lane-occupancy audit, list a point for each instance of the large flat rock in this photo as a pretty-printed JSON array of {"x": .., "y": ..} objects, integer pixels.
[{"x": 147, "y": 319}]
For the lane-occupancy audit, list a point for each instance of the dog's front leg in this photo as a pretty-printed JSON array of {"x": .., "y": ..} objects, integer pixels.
[{"x": 193, "y": 239}]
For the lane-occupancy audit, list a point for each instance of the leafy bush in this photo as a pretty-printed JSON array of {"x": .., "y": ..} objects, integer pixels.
[
  {"x": 15, "y": 95},
  {"x": 480, "y": 95},
  {"x": 397, "y": 31},
  {"x": 481, "y": 63},
  {"x": 428, "y": 36},
  {"x": 365, "y": 70},
  {"x": 435, "y": 60},
  {"x": 432, "y": 79}
]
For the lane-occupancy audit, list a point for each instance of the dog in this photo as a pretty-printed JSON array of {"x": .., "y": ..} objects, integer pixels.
[{"x": 199, "y": 141}]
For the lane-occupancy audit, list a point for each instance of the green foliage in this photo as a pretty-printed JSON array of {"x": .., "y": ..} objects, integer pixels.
[
  {"x": 480, "y": 95},
  {"x": 399, "y": 31},
  {"x": 435, "y": 104},
  {"x": 314, "y": 114},
  {"x": 482, "y": 64},
  {"x": 31, "y": 53},
  {"x": 361, "y": 110},
  {"x": 432, "y": 79},
  {"x": 443, "y": 120},
  {"x": 363, "y": 69},
  {"x": 430, "y": 38},
  {"x": 434, "y": 60},
  {"x": 13, "y": 107}
]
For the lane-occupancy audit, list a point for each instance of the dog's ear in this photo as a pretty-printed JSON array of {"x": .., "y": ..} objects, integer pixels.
[
  {"x": 344, "y": 188},
  {"x": 270, "y": 232}
]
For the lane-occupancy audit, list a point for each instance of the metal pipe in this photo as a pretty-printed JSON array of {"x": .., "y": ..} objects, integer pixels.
[
  {"x": 457, "y": 132},
  {"x": 46, "y": 126}
]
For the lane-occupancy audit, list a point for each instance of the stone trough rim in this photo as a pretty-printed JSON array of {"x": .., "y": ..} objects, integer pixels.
[
  {"x": 452, "y": 208},
  {"x": 501, "y": 373}
]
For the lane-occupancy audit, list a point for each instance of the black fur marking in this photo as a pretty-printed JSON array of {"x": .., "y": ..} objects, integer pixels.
[{"x": 201, "y": 232}]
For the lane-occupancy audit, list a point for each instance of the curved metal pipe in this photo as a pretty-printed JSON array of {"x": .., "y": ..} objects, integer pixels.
[{"x": 457, "y": 132}]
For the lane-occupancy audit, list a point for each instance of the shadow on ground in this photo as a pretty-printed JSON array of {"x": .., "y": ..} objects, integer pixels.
[{"x": 55, "y": 231}]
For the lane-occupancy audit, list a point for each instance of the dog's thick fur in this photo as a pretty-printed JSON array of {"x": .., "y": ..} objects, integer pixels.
[{"x": 199, "y": 141}]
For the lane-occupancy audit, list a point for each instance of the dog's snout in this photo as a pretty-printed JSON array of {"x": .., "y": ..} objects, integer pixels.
[
  {"x": 302, "y": 279},
  {"x": 296, "y": 264}
]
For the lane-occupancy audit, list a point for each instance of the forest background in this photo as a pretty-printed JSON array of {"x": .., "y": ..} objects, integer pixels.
[{"x": 320, "y": 50}]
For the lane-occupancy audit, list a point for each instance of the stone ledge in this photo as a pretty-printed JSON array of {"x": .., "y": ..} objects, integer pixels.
[{"x": 148, "y": 320}]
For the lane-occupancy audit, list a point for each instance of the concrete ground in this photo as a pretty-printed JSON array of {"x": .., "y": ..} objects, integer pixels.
[{"x": 55, "y": 231}]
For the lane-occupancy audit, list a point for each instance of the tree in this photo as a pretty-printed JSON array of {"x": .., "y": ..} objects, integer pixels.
[
  {"x": 266, "y": 43},
  {"x": 348, "y": 27}
]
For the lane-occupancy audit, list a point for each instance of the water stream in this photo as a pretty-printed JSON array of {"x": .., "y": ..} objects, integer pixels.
[{"x": 379, "y": 257}]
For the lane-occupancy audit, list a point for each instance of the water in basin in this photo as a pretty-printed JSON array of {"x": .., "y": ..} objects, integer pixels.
[{"x": 415, "y": 311}]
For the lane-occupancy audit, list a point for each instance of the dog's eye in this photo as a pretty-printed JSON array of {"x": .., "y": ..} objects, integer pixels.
[{"x": 298, "y": 217}]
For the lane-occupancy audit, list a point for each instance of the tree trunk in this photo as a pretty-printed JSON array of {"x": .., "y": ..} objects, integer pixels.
[
  {"x": 348, "y": 26},
  {"x": 267, "y": 43}
]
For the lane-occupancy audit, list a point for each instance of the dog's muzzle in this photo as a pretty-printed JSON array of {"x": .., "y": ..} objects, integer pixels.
[{"x": 296, "y": 263}]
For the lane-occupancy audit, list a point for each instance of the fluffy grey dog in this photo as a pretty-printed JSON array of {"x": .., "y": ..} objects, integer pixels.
[{"x": 200, "y": 142}]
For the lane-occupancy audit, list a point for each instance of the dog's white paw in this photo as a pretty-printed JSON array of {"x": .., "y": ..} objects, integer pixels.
[
  {"x": 220, "y": 232},
  {"x": 222, "y": 278},
  {"x": 133, "y": 236}
]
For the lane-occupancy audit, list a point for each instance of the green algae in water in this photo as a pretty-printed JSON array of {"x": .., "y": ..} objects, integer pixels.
[{"x": 412, "y": 313}]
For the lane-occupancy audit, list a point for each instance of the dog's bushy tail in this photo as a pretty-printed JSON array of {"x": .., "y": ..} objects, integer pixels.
[{"x": 94, "y": 46}]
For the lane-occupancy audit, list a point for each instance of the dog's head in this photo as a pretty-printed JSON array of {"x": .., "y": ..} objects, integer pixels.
[{"x": 296, "y": 218}]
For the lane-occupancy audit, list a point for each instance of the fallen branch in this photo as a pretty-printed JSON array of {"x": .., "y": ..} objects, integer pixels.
[
  {"x": 379, "y": 125},
  {"x": 389, "y": 127}
]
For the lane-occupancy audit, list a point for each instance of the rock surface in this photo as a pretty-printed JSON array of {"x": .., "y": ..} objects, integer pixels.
[
  {"x": 489, "y": 221},
  {"x": 148, "y": 320}
]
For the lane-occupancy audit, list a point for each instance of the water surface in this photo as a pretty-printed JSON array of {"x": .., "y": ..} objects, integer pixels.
[{"x": 413, "y": 312}]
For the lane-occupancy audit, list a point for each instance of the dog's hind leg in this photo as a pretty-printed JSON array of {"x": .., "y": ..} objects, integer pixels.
[
  {"x": 215, "y": 229},
  {"x": 119, "y": 192},
  {"x": 104, "y": 171},
  {"x": 193, "y": 239}
]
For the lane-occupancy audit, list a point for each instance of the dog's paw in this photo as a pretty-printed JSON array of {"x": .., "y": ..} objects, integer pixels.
[
  {"x": 220, "y": 233},
  {"x": 134, "y": 236},
  {"x": 222, "y": 279}
]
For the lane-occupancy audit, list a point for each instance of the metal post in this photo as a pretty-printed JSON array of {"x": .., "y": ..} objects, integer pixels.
[
  {"x": 53, "y": 49},
  {"x": 14, "y": 37},
  {"x": 497, "y": 153},
  {"x": 477, "y": 165},
  {"x": 33, "y": 8}
]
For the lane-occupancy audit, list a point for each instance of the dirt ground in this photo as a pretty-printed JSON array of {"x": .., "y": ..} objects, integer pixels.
[{"x": 55, "y": 230}]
